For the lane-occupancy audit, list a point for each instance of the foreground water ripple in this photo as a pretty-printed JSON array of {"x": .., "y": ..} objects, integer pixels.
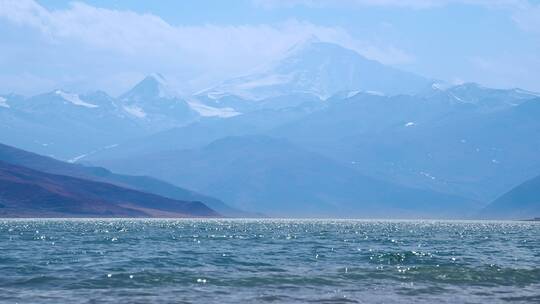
[{"x": 279, "y": 261}]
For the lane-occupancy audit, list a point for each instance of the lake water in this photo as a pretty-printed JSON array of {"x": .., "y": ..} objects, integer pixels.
[{"x": 268, "y": 261}]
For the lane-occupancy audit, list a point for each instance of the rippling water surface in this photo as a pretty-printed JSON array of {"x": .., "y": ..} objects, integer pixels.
[{"x": 278, "y": 261}]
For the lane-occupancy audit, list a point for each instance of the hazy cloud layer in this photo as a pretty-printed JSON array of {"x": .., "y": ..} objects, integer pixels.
[
  {"x": 83, "y": 47},
  {"x": 141, "y": 43}
]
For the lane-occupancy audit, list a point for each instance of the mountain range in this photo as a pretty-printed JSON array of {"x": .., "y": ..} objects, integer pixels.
[
  {"x": 273, "y": 176},
  {"x": 321, "y": 131},
  {"x": 435, "y": 142},
  {"x": 55, "y": 123}
]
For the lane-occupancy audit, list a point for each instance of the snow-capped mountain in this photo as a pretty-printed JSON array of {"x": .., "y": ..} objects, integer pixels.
[
  {"x": 151, "y": 87},
  {"x": 322, "y": 69},
  {"x": 51, "y": 122},
  {"x": 153, "y": 103},
  {"x": 63, "y": 101},
  {"x": 412, "y": 139}
]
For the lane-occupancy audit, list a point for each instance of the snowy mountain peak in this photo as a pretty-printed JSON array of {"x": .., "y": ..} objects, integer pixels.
[
  {"x": 322, "y": 69},
  {"x": 302, "y": 45},
  {"x": 315, "y": 47},
  {"x": 311, "y": 39},
  {"x": 158, "y": 78},
  {"x": 151, "y": 87},
  {"x": 153, "y": 100}
]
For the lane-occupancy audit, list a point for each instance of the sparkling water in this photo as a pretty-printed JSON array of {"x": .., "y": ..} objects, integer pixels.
[{"x": 274, "y": 261}]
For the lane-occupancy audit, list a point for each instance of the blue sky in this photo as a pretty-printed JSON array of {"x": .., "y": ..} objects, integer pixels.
[{"x": 109, "y": 45}]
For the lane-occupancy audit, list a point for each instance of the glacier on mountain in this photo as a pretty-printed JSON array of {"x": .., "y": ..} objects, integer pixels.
[
  {"x": 135, "y": 111},
  {"x": 74, "y": 99},
  {"x": 208, "y": 111}
]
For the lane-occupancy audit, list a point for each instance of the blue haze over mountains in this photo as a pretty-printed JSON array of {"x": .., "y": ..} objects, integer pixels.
[{"x": 321, "y": 132}]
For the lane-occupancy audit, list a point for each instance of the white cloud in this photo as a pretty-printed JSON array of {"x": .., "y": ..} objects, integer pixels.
[
  {"x": 19, "y": 83},
  {"x": 87, "y": 47},
  {"x": 528, "y": 18},
  {"x": 414, "y": 4},
  {"x": 145, "y": 42},
  {"x": 349, "y": 3},
  {"x": 506, "y": 70},
  {"x": 525, "y": 13}
]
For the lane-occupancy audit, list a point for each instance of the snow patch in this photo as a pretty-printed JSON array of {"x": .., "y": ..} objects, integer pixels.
[
  {"x": 439, "y": 86},
  {"x": 208, "y": 111},
  {"x": 457, "y": 98},
  {"x": 135, "y": 111},
  {"x": 521, "y": 91},
  {"x": 3, "y": 102},
  {"x": 74, "y": 99},
  {"x": 269, "y": 80},
  {"x": 428, "y": 175},
  {"x": 215, "y": 95},
  {"x": 376, "y": 93},
  {"x": 77, "y": 158},
  {"x": 352, "y": 93}
]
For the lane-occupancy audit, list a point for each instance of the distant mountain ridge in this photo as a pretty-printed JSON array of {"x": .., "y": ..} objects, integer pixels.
[
  {"x": 520, "y": 203},
  {"x": 37, "y": 162},
  {"x": 29, "y": 193},
  {"x": 417, "y": 141},
  {"x": 273, "y": 176},
  {"x": 48, "y": 123},
  {"x": 427, "y": 142}
]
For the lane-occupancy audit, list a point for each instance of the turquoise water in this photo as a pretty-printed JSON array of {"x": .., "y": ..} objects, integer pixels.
[{"x": 274, "y": 261}]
